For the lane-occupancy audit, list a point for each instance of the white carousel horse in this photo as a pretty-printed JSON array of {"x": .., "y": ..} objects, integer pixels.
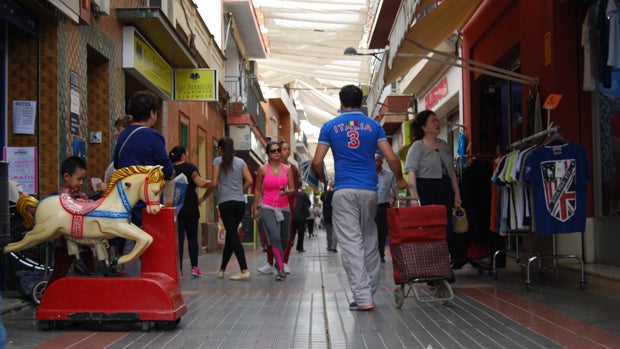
[{"x": 93, "y": 221}]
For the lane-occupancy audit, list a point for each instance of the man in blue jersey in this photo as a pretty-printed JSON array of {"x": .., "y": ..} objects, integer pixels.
[{"x": 354, "y": 138}]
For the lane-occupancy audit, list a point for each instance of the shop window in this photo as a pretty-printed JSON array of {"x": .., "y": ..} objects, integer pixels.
[
  {"x": 184, "y": 136},
  {"x": 610, "y": 146},
  {"x": 501, "y": 113}
]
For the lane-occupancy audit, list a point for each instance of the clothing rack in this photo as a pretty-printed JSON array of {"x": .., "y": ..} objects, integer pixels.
[
  {"x": 459, "y": 166},
  {"x": 549, "y": 130},
  {"x": 519, "y": 233}
]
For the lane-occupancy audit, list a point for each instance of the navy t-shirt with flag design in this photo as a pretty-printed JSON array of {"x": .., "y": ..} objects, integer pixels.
[
  {"x": 559, "y": 178},
  {"x": 353, "y": 138}
]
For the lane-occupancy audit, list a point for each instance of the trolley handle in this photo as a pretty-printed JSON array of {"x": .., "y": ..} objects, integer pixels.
[{"x": 414, "y": 196}]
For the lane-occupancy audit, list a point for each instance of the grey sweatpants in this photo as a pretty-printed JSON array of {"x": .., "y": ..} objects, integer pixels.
[
  {"x": 354, "y": 226},
  {"x": 277, "y": 232}
]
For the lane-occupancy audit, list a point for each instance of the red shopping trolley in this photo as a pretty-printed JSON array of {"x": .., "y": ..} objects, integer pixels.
[{"x": 419, "y": 250}]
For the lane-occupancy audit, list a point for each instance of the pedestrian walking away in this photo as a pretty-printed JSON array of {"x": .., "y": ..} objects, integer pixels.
[
  {"x": 353, "y": 138},
  {"x": 231, "y": 179},
  {"x": 386, "y": 194},
  {"x": 326, "y": 198},
  {"x": 189, "y": 215}
]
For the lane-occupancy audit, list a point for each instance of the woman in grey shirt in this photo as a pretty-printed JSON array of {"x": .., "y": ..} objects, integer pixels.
[
  {"x": 229, "y": 173},
  {"x": 430, "y": 168}
]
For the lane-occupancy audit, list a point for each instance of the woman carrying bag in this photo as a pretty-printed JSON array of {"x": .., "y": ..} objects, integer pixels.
[{"x": 430, "y": 168}]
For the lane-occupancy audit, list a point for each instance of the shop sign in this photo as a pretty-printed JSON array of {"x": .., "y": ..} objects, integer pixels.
[
  {"x": 74, "y": 111},
  {"x": 195, "y": 85},
  {"x": 23, "y": 167},
  {"x": 71, "y": 8},
  {"x": 394, "y": 118},
  {"x": 140, "y": 57},
  {"x": 437, "y": 93}
]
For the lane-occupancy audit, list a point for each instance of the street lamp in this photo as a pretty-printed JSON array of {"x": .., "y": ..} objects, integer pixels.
[{"x": 351, "y": 51}]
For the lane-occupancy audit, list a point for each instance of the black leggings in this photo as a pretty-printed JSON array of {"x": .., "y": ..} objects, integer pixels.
[
  {"x": 189, "y": 226},
  {"x": 232, "y": 213}
]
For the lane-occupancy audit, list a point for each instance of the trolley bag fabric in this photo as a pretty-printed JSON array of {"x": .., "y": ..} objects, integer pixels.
[
  {"x": 417, "y": 223},
  {"x": 420, "y": 260}
]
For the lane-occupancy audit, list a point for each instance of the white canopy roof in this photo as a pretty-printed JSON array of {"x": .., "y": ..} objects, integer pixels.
[{"x": 306, "y": 40}]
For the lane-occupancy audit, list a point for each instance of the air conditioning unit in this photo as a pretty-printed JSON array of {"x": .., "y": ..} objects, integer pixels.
[
  {"x": 395, "y": 87},
  {"x": 253, "y": 69},
  {"x": 167, "y": 7},
  {"x": 103, "y": 6}
]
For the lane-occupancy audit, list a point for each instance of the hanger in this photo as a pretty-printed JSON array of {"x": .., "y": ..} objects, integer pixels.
[{"x": 555, "y": 139}]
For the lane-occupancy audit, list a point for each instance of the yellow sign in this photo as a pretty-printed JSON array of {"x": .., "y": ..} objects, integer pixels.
[
  {"x": 151, "y": 65},
  {"x": 195, "y": 85},
  {"x": 552, "y": 101}
]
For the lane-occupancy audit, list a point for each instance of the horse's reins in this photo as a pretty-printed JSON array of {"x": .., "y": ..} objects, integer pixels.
[
  {"x": 123, "y": 196},
  {"x": 146, "y": 193}
]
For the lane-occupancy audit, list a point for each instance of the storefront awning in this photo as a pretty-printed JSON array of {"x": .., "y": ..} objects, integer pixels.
[
  {"x": 423, "y": 22},
  {"x": 157, "y": 29},
  {"x": 430, "y": 31}
]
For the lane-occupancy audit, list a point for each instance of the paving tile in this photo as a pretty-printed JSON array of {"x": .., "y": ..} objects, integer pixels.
[{"x": 310, "y": 310}]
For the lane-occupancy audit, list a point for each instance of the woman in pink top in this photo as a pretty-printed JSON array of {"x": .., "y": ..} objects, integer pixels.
[{"x": 274, "y": 183}]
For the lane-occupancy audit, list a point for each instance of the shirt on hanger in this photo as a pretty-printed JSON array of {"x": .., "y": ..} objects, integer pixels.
[{"x": 559, "y": 176}]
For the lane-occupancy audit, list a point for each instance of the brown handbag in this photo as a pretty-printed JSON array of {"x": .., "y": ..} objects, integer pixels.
[{"x": 459, "y": 220}]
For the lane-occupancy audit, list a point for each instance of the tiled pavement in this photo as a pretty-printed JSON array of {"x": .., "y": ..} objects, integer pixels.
[{"x": 310, "y": 310}]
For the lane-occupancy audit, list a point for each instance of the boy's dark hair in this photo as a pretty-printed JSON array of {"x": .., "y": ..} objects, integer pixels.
[
  {"x": 351, "y": 96},
  {"x": 141, "y": 104},
  {"x": 71, "y": 164}
]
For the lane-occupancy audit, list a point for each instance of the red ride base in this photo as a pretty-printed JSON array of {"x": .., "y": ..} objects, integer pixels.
[{"x": 154, "y": 296}]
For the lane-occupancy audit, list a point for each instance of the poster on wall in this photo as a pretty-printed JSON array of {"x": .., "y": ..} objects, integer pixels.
[
  {"x": 74, "y": 115},
  {"x": 24, "y": 117},
  {"x": 23, "y": 167},
  {"x": 79, "y": 147}
]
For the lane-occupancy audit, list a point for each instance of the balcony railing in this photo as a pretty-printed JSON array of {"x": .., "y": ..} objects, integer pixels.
[{"x": 243, "y": 89}]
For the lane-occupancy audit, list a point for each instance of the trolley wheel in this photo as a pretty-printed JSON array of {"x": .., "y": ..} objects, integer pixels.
[
  {"x": 37, "y": 291},
  {"x": 443, "y": 291},
  {"x": 583, "y": 285},
  {"x": 47, "y": 325},
  {"x": 399, "y": 296},
  {"x": 146, "y": 326},
  {"x": 167, "y": 325}
]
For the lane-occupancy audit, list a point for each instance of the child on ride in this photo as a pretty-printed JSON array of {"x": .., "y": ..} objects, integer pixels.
[{"x": 73, "y": 171}]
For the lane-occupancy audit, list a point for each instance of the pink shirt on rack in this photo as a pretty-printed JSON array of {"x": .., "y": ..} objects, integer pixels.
[{"x": 272, "y": 186}]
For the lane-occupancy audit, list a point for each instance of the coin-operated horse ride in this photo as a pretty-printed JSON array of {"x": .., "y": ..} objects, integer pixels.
[{"x": 154, "y": 297}]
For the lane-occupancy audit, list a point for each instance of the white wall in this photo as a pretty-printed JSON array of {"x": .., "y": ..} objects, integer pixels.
[{"x": 212, "y": 14}]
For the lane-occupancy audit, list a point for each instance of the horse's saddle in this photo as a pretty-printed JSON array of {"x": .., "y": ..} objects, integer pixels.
[{"x": 78, "y": 209}]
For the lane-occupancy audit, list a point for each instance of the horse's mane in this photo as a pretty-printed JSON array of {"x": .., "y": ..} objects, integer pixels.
[{"x": 155, "y": 175}]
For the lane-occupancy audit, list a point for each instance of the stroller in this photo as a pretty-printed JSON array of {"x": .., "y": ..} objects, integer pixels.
[
  {"x": 33, "y": 265},
  {"x": 419, "y": 250}
]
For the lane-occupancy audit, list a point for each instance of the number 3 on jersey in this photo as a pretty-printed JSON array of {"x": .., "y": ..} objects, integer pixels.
[{"x": 354, "y": 141}]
